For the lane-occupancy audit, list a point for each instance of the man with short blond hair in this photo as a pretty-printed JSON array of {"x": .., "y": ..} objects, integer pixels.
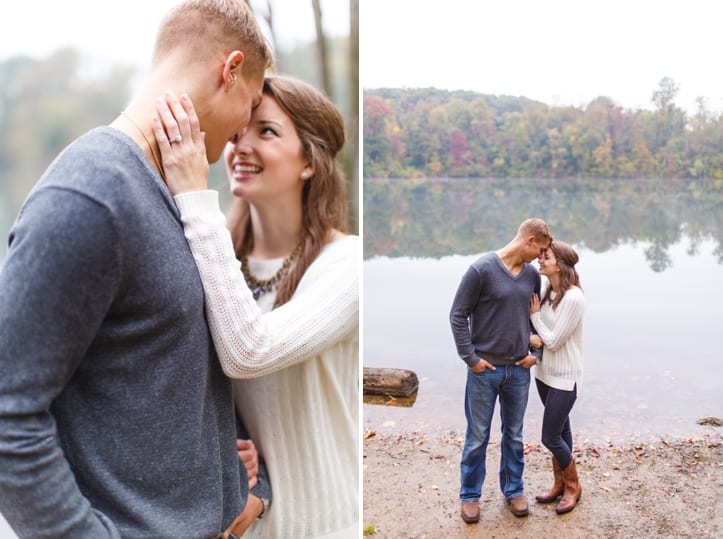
[
  {"x": 491, "y": 329},
  {"x": 116, "y": 419}
]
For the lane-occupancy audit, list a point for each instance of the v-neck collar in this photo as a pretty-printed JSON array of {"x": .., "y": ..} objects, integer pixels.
[{"x": 507, "y": 270}]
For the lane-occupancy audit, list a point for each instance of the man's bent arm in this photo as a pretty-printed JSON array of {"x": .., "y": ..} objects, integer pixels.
[{"x": 57, "y": 283}]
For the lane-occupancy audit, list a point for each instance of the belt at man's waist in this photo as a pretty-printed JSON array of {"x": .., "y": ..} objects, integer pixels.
[{"x": 499, "y": 359}]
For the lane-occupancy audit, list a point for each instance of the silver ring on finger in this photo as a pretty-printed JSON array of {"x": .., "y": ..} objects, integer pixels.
[{"x": 177, "y": 138}]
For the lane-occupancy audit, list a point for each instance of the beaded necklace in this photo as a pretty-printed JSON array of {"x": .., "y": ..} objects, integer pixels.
[{"x": 262, "y": 286}]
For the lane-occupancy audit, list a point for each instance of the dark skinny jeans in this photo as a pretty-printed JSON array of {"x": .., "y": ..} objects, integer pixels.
[{"x": 556, "y": 431}]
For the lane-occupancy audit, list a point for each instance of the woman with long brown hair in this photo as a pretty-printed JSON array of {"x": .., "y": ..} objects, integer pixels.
[
  {"x": 285, "y": 319},
  {"x": 558, "y": 321}
]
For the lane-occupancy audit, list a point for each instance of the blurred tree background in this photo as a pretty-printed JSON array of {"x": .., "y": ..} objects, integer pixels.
[
  {"x": 45, "y": 103},
  {"x": 425, "y": 132}
]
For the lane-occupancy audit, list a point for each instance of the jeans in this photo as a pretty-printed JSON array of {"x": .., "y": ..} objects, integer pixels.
[
  {"x": 511, "y": 384},
  {"x": 556, "y": 431}
]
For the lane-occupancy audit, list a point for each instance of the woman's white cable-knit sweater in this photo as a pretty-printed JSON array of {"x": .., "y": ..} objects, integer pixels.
[
  {"x": 301, "y": 407},
  {"x": 561, "y": 332}
]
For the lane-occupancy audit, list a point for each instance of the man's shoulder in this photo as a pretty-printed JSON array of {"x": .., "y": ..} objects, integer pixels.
[
  {"x": 100, "y": 151},
  {"x": 485, "y": 260},
  {"x": 531, "y": 271},
  {"x": 100, "y": 164},
  {"x": 100, "y": 173}
]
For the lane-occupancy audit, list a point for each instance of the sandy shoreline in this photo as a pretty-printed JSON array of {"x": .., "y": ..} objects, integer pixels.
[{"x": 667, "y": 488}]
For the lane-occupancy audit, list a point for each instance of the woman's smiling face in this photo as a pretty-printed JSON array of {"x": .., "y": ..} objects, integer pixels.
[
  {"x": 548, "y": 263},
  {"x": 267, "y": 160}
]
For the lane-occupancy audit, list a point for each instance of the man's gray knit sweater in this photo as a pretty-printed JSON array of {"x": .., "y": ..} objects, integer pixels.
[
  {"x": 115, "y": 416},
  {"x": 490, "y": 312}
]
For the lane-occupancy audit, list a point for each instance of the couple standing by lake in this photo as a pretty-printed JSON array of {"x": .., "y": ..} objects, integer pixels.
[
  {"x": 504, "y": 322},
  {"x": 128, "y": 307}
]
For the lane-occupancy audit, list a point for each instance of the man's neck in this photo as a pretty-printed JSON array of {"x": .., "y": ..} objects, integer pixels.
[
  {"x": 135, "y": 121},
  {"x": 510, "y": 257}
]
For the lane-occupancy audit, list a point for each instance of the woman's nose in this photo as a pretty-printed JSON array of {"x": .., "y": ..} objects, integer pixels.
[{"x": 240, "y": 142}]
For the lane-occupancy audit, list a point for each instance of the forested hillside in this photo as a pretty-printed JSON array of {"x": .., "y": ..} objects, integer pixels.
[{"x": 437, "y": 133}]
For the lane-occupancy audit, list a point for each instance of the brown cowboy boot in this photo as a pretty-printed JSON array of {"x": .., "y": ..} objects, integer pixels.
[
  {"x": 573, "y": 490},
  {"x": 557, "y": 487}
]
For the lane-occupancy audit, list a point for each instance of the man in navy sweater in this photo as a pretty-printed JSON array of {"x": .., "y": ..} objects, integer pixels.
[
  {"x": 491, "y": 329},
  {"x": 115, "y": 417}
]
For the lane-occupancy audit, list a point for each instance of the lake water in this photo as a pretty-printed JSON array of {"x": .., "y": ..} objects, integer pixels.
[{"x": 651, "y": 268}]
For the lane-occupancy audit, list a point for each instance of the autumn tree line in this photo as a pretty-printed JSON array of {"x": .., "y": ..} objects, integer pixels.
[{"x": 427, "y": 132}]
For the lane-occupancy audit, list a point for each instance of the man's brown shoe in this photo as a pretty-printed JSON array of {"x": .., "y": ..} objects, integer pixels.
[
  {"x": 519, "y": 506},
  {"x": 470, "y": 512}
]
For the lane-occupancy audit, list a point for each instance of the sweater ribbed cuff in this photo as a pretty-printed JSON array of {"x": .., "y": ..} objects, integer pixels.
[
  {"x": 198, "y": 203},
  {"x": 471, "y": 360}
]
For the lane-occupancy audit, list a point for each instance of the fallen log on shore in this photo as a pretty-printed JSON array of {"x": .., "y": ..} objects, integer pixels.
[{"x": 394, "y": 382}]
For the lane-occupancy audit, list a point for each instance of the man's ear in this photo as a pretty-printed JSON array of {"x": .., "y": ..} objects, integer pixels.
[{"x": 232, "y": 69}]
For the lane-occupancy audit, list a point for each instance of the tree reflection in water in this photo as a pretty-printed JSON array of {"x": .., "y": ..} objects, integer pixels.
[
  {"x": 435, "y": 218},
  {"x": 651, "y": 265}
]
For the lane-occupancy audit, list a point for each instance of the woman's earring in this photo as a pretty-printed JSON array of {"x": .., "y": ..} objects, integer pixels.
[{"x": 304, "y": 175}]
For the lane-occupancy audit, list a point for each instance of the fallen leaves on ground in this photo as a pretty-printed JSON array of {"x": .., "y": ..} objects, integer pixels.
[{"x": 635, "y": 489}]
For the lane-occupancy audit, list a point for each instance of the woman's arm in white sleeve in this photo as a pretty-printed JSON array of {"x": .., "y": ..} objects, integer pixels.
[
  {"x": 250, "y": 343},
  {"x": 571, "y": 309}
]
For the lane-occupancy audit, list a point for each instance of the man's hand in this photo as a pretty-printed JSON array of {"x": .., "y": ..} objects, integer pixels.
[
  {"x": 241, "y": 523},
  {"x": 482, "y": 365},
  {"x": 527, "y": 362}
]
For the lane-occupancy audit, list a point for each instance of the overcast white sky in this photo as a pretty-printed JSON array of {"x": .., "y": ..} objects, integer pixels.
[
  {"x": 555, "y": 51},
  {"x": 125, "y": 31}
]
